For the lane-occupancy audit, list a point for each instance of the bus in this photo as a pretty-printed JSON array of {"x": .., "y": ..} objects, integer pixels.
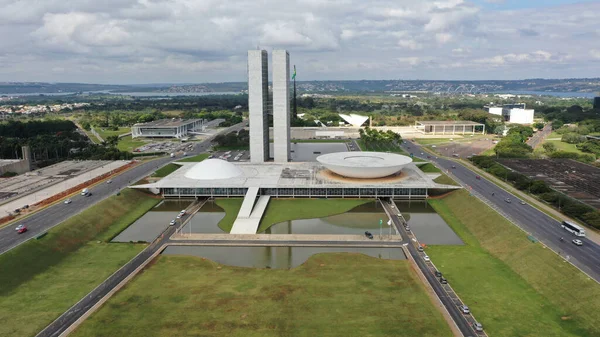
[{"x": 573, "y": 228}]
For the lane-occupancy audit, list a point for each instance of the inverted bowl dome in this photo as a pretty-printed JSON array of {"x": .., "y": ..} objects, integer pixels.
[
  {"x": 213, "y": 169},
  {"x": 365, "y": 165}
]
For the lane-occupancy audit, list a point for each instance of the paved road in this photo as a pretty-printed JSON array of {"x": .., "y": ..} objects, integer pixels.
[
  {"x": 47, "y": 218},
  {"x": 455, "y": 313},
  {"x": 539, "y": 137},
  {"x": 537, "y": 223}
]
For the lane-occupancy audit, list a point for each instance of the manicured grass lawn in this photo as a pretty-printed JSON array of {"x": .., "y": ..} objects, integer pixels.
[
  {"x": 432, "y": 141},
  {"x": 329, "y": 295},
  {"x": 232, "y": 208},
  {"x": 105, "y": 132},
  {"x": 562, "y": 146},
  {"x": 280, "y": 210},
  {"x": 320, "y": 140},
  {"x": 429, "y": 168},
  {"x": 129, "y": 144},
  {"x": 166, "y": 170},
  {"x": 513, "y": 286},
  {"x": 92, "y": 137},
  {"x": 444, "y": 179},
  {"x": 197, "y": 158},
  {"x": 40, "y": 279}
]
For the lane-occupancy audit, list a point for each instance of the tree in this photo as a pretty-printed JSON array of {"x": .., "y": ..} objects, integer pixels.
[
  {"x": 549, "y": 147},
  {"x": 539, "y": 187},
  {"x": 538, "y": 126},
  {"x": 111, "y": 141}
]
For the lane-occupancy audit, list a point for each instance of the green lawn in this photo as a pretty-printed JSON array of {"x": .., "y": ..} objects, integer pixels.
[
  {"x": 562, "y": 146},
  {"x": 429, "y": 168},
  {"x": 194, "y": 159},
  {"x": 280, "y": 210},
  {"x": 329, "y": 295},
  {"x": 432, "y": 141},
  {"x": 444, "y": 179},
  {"x": 129, "y": 144},
  {"x": 105, "y": 132},
  {"x": 320, "y": 140},
  {"x": 230, "y": 148},
  {"x": 513, "y": 286},
  {"x": 40, "y": 279},
  {"x": 232, "y": 208},
  {"x": 166, "y": 170}
]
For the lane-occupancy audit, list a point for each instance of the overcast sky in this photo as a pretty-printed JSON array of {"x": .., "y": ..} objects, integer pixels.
[{"x": 195, "y": 41}]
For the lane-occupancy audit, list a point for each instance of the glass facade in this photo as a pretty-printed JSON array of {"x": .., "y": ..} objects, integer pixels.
[{"x": 334, "y": 192}]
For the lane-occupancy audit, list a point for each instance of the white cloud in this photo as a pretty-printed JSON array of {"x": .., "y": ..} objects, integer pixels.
[{"x": 206, "y": 40}]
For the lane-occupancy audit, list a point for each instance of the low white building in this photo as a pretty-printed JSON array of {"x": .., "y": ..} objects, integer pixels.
[
  {"x": 519, "y": 116},
  {"x": 167, "y": 128}
]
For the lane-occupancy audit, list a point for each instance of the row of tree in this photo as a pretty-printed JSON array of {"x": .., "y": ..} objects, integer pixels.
[{"x": 369, "y": 135}]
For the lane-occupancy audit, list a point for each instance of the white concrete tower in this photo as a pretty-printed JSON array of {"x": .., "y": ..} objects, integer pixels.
[
  {"x": 258, "y": 105},
  {"x": 281, "y": 106}
]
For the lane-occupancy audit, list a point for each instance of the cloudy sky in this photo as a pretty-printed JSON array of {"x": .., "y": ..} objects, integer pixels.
[{"x": 194, "y": 41}]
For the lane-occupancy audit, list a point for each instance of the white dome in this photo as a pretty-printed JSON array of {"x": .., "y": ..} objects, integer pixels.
[{"x": 213, "y": 169}]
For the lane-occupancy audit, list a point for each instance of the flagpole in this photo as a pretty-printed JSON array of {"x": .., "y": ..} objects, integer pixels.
[{"x": 295, "y": 108}]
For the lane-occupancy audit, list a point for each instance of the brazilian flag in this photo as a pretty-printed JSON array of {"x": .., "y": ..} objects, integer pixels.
[{"x": 294, "y": 74}]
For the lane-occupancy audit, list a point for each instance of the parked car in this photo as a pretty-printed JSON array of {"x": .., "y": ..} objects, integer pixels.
[
  {"x": 182, "y": 212},
  {"x": 407, "y": 228},
  {"x": 22, "y": 229},
  {"x": 68, "y": 201},
  {"x": 578, "y": 242},
  {"x": 522, "y": 202},
  {"x": 477, "y": 327},
  {"x": 465, "y": 310},
  {"x": 443, "y": 280},
  {"x": 420, "y": 248},
  {"x": 369, "y": 235},
  {"x": 172, "y": 223},
  {"x": 438, "y": 273},
  {"x": 426, "y": 258},
  {"x": 178, "y": 216}
]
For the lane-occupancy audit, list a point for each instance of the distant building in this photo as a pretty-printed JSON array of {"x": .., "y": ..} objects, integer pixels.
[
  {"x": 512, "y": 113},
  {"x": 596, "y": 102},
  {"x": 354, "y": 120},
  {"x": 449, "y": 127},
  {"x": 167, "y": 128}
]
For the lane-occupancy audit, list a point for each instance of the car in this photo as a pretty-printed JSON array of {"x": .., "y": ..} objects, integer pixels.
[
  {"x": 68, "y": 201},
  {"x": 407, "y": 228},
  {"x": 443, "y": 280},
  {"x": 465, "y": 310},
  {"x": 178, "y": 216},
  {"x": 426, "y": 258},
  {"x": 109, "y": 181},
  {"x": 522, "y": 202},
  {"x": 507, "y": 200},
  {"x": 453, "y": 166},
  {"x": 369, "y": 235},
  {"x": 420, "y": 248},
  {"x": 455, "y": 155},
  {"x": 22, "y": 229},
  {"x": 182, "y": 212},
  {"x": 172, "y": 223},
  {"x": 578, "y": 242},
  {"x": 438, "y": 273},
  {"x": 19, "y": 227},
  {"x": 433, "y": 146},
  {"x": 477, "y": 327},
  {"x": 478, "y": 177}
]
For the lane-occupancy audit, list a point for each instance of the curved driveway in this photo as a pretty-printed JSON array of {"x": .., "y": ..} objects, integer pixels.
[
  {"x": 42, "y": 221},
  {"x": 543, "y": 227}
]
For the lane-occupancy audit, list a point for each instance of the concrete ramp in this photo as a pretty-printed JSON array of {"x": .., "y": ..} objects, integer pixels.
[
  {"x": 248, "y": 202},
  {"x": 249, "y": 224}
]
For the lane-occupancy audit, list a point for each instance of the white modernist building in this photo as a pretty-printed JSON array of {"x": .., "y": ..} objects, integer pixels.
[
  {"x": 258, "y": 105},
  {"x": 354, "y": 120},
  {"x": 167, "y": 128},
  {"x": 518, "y": 115},
  {"x": 281, "y": 106},
  {"x": 364, "y": 165}
]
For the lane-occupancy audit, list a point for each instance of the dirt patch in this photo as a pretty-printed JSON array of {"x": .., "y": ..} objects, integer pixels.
[{"x": 465, "y": 149}]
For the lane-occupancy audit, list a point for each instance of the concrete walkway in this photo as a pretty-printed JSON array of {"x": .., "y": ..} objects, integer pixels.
[
  {"x": 284, "y": 237},
  {"x": 249, "y": 224}
]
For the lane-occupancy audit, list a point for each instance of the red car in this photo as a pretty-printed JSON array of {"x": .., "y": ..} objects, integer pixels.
[
  {"x": 478, "y": 177},
  {"x": 21, "y": 229}
]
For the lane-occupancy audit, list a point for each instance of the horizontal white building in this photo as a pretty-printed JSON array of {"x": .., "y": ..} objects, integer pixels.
[
  {"x": 167, "y": 128},
  {"x": 518, "y": 115}
]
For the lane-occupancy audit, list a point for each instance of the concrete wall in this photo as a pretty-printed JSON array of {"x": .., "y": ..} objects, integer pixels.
[
  {"x": 258, "y": 103},
  {"x": 21, "y": 166},
  {"x": 281, "y": 106},
  {"x": 521, "y": 116}
]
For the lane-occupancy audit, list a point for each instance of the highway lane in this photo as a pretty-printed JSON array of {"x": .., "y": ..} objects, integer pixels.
[
  {"x": 544, "y": 228},
  {"x": 42, "y": 221}
]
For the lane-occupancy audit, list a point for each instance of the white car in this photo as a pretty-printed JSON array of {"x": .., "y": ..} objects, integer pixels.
[
  {"x": 178, "y": 216},
  {"x": 109, "y": 181},
  {"x": 182, "y": 212},
  {"x": 172, "y": 223},
  {"x": 426, "y": 258},
  {"x": 465, "y": 310},
  {"x": 19, "y": 227},
  {"x": 68, "y": 201},
  {"x": 578, "y": 242}
]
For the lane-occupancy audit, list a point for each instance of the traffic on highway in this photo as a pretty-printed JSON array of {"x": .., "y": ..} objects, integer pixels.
[{"x": 535, "y": 222}]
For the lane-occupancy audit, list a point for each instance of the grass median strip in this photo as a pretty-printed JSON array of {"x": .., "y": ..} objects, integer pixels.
[
  {"x": 166, "y": 170},
  {"x": 329, "y": 295},
  {"x": 514, "y": 287},
  {"x": 195, "y": 159},
  {"x": 40, "y": 279}
]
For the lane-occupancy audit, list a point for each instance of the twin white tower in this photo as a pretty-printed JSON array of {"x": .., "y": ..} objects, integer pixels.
[{"x": 258, "y": 105}]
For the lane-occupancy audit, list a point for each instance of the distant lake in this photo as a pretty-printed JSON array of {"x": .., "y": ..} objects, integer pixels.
[{"x": 548, "y": 93}]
